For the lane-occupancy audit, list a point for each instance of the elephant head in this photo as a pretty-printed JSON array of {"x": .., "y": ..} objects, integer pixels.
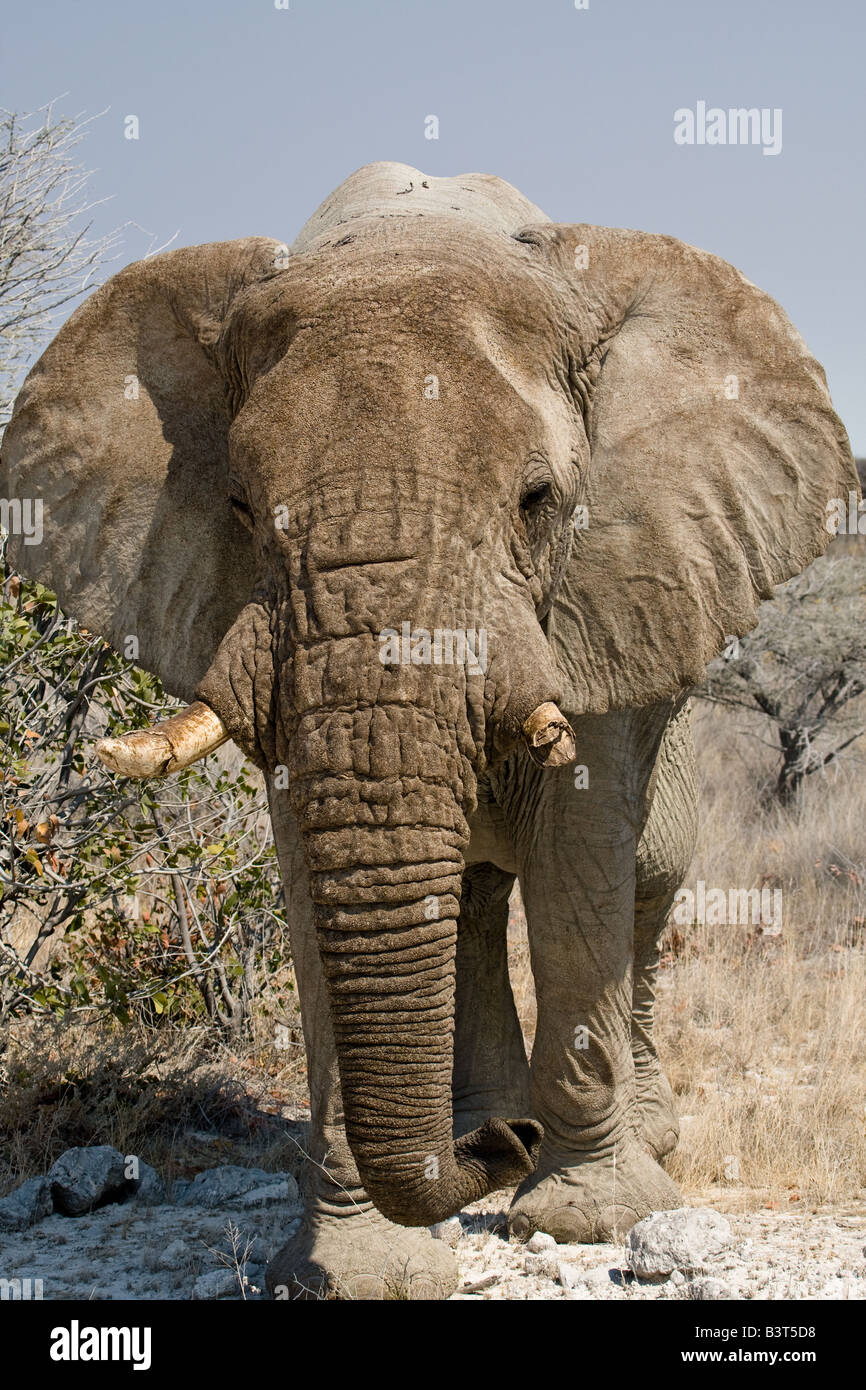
[{"x": 382, "y": 503}]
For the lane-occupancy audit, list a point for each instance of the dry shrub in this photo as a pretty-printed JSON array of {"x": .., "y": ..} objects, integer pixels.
[{"x": 179, "y": 1098}]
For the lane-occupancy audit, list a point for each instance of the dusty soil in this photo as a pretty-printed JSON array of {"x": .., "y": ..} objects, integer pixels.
[{"x": 171, "y": 1251}]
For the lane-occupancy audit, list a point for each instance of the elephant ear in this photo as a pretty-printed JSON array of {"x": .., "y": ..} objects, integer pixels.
[
  {"x": 714, "y": 450},
  {"x": 121, "y": 433}
]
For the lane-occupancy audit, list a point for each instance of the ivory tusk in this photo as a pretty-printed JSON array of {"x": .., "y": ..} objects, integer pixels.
[
  {"x": 549, "y": 737},
  {"x": 168, "y": 747}
]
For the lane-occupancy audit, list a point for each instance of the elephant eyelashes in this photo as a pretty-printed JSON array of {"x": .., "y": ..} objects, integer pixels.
[{"x": 241, "y": 510}]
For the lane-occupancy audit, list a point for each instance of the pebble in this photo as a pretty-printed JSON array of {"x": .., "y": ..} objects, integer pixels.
[
  {"x": 450, "y": 1231},
  {"x": 540, "y": 1241}
]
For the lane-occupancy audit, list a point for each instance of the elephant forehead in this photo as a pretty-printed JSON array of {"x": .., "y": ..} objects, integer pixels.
[
  {"x": 390, "y": 190},
  {"x": 400, "y": 312},
  {"x": 432, "y": 275}
]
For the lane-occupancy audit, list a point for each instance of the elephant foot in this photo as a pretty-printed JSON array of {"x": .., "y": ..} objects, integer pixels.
[
  {"x": 361, "y": 1255},
  {"x": 658, "y": 1122},
  {"x": 583, "y": 1200}
]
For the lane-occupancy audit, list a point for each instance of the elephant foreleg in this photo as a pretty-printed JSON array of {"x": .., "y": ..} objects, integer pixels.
[
  {"x": 577, "y": 854},
  {"x": 656, "y": 1111},
  {"x": 664, "y": 853}
]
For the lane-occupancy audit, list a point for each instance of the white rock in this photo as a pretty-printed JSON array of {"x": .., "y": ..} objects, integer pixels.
[
  {"x": 284, "y": 1191},
  {"x": 569, "y": 1276},
  {"x": 219, "y": 1283},
  {"x": 227, "y": 1185},
  {"x": 540, "y": 1241},
  {"x": 684, "y": 1239},
  {"x": 174, "y": 1255},
  {"x": 450, "y": 1231},
  {"x": 708, "y": 1290}
]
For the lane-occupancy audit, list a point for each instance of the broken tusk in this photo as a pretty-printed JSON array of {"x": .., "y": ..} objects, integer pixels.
[
  {"x": 168, "y": 747},
  {"x": 549, "y": 737}
]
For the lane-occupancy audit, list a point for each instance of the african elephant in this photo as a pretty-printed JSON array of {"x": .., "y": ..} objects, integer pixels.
[{"x": 417, "y": 511}]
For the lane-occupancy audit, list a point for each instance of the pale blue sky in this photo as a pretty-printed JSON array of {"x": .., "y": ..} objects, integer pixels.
[{"x": 250, "y": 115}]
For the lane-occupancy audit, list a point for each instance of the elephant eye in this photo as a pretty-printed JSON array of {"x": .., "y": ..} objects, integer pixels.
[
  {"x": 241, "y": 510},
  {"x": 535, "y": 496}
]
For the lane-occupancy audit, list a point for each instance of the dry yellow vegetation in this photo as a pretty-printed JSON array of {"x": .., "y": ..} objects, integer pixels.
[{"x": 764, "y": 1037}]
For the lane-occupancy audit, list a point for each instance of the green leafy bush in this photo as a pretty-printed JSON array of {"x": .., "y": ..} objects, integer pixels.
[{"x": 150, "y": 899}]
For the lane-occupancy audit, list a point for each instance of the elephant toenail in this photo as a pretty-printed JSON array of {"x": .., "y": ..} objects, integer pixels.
[{"x": 520, "y": 1227}]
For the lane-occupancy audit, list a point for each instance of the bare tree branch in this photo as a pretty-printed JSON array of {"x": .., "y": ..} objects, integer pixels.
[
  {"x": 48, "y": 257},
  {"x": 804, "y": 666}
]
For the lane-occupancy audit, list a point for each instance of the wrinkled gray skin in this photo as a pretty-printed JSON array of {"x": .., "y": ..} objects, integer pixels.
[{"x": 286, "y": 482}]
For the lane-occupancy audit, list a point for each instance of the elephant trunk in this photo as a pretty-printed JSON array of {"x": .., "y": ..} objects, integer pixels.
[{"x": 386, "y": 922}]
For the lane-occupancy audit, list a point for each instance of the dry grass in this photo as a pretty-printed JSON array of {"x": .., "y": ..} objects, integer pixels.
[
  {"x": 762, "y": 1036},
  {"x": 177, "y": 1097}
]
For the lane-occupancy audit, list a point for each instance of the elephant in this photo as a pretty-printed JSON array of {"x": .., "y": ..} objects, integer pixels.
[{"x": 440, "y": 514}]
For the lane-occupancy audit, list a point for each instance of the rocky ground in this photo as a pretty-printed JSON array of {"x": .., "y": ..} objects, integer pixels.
[
  {"x": 762, "y": 1255},
  {"x": 210, "y": 1237}
]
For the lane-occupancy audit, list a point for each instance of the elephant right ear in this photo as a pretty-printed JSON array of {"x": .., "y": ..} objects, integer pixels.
[{"x": 117, "y": 452}]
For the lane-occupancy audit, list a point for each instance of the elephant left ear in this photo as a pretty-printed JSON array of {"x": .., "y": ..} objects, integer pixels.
[{"x": 714, "y": 452}]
